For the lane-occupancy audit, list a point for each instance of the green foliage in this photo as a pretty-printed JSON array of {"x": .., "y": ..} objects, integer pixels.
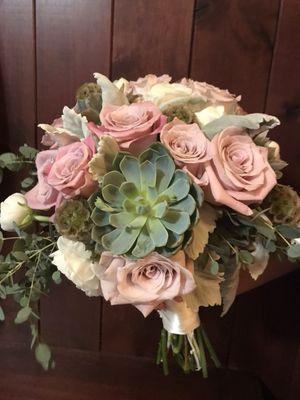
[
  {"x": 29, "y": 256},
  {"x": 25, "y": 158},
  {"x": 144, "y": 204}
]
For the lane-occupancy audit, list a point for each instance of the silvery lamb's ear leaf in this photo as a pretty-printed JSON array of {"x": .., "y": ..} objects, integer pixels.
[
  {"x": 253, "y": 122},
  {"x": 75, "y": 123},
  {"x": 111, "y": 94}
]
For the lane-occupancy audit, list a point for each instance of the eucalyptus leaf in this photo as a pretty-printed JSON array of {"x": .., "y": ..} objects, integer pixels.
[
  {"x": 23, "y": 315},
  {"x": 2, "y": 316},
  {"x": 43, "y": 355},
  {"x": 289, "y": 232},
  {"x": 28, "y": 152},
  {"x": 294, "y": 250}
]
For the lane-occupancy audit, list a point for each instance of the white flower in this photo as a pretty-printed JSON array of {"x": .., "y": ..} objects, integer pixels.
[
  {"x": 209, "y": 114},
  {"x": 74, "y": 261},
  {"x": 15, "y": 210}
]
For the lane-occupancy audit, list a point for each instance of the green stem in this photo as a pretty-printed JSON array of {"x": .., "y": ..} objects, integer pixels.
[
  {"x": 202, "y": 353},
  {"x": 210, "y": 349},
  {"x": 186, "y": 365},
  {"x": 41, "y": 218},
  {"x": 176, "y": 347},
  {"x": 158, "y": 355},
  {"x": 164, "y": 351}
]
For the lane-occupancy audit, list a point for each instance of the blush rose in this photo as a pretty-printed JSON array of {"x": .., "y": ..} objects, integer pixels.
[
  {"x": 134, "y": 126},
  {"x": 146, "y": 283}
]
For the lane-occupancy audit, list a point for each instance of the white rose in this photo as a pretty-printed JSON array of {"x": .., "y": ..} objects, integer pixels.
[
  {"x": 15, "y": 210},
  {"x": 166, "y": 94},
  {"x": 209, "y": 114},
  {"x": 74, "y": 261}
]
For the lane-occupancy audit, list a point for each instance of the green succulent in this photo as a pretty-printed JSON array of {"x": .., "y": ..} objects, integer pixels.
[
  {"x": 144, "y": 204},
  {"x": 72, "y": 219}
]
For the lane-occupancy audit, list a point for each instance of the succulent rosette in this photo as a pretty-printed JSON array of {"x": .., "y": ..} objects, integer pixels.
[
  {"x": 152, "y": 193},
  {"x": 144, "y": 204}
]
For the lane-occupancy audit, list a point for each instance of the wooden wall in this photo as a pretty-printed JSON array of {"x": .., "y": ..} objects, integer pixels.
[{"x": 49, "y": 47}]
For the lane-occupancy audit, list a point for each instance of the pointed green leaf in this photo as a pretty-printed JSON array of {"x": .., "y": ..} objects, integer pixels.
[
  {"x": 174, "y": 240},
  {"x": 43, "y": 355},
  {"x": 122, "y": 241},
  {"x": 121, "y": 219},
  {"x": 131, "y": 170},
  {"x": 165, "y": 170},
  {"x": 144, "y": 244},
  {"x": 111, "y": 194},
  {"x": 157, "y": 231},
  {"x": 176, "y": 221},
  {"x": 23, "y": 315},
  {"x": 188, "y": 204},
  {"x": 148, "y": 174},
  {"x": 129, "y": 190},
  {"x": 114, "y": 178},
  {"x": 176, "y": 192},
  {"x": 100, "y": 218}
]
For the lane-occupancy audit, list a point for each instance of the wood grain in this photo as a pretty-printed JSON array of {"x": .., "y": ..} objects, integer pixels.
[
  {"x": 232, "y": 46},
  {"x": 283, "y": 97},
  {"x": 73, "y": 41},
  {"x": 151, "y": 37}
]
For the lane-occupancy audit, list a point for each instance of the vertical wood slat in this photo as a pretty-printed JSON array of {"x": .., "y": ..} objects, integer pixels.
[
  {"x": 148, "y": 37},
  {"x": 232, "y": 46},
  {"x": 17, "y": 114},
  {"x": 73, "y": 41},
  {"x": 151, "y": 37},
  {"x": 283, "y": 97}
]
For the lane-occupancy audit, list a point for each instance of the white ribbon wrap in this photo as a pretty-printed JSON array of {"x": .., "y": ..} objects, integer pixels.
[{"x": 178, "y": 319}]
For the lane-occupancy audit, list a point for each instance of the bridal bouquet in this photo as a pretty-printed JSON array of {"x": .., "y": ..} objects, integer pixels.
[{"x": 150, "y": 193}]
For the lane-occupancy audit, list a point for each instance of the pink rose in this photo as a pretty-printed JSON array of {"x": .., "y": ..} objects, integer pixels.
[
  {"x": 145, "y": 283},
  {"x": 134, "y": 126},
  {"x": 43, "y": 196},
  {"x": 189, "y": 147},
  {"x": 62, "y": 173},
  {"x": 213, "y": 95},
  {"x": 239, "y": 173}
]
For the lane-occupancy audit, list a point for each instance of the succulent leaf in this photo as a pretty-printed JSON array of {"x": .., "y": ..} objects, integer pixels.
[{"x": 144, "y": 204}]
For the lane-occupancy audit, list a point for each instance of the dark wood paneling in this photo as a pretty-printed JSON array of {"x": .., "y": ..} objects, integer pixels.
[
  {"x": 284, "y": 90},
  {"x": 17, "y": 74},
  {"x": 17, "y": 113},
  {"x": 73, "y": 41},
  {"x": 148, "y": 37},
  {"x": 232, "y": 46},
  {"x": 151, "y": 37}
]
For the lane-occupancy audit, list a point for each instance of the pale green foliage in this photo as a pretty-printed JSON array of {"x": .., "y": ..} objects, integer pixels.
[{"x": 144, "y": 204}]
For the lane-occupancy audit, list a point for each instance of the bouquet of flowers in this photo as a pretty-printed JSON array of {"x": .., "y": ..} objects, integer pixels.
[{"x": 150, "y": 193}]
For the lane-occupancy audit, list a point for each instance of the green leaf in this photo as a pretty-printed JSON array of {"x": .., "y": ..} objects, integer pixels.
[
  {"x": 165, "y": 170},
  {"x": 248, "y": 121},
  {"x": 188, "y": 204},
  {"x": 176, "y": 192},
  {"x": 144, "y": 244},
  {"x": 121, "y": 219},
  {"x": 2, "y": 316},
  {"x": 112, "y": 195},
  {"x": 157, "y": 231},
  {"x": 28, "y": 152},
  {"x": 294, "y": 250},
  {"x": 176, "y": 221},
  {"x": 8, "y": 158},
  {"x": 214, "y": 267},
  {"x": 114, "y": 178},
  {"x": 245, "y": 257},
  {"x": 100, "y": 218},
  {"x": 56, "y": 276},
  {"x": 289, "y": 232},
  {"x": 43, "y": 355},
  {"x": 129, "y": 190},
  {"x": 131, "y": 170},
  {"x": 148, "y": 174},
  {"x": 27, "y": 182},
  {"x": 20, "y": 255},
  {"x": 23, "y": 315}
]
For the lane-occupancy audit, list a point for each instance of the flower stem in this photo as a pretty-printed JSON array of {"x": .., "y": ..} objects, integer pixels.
[
  {"x": 210, "y": 349},
  {"x": 202, "y": 353},
  {"x": 41, "y": 218},
  {"x": 164, "y": 351}
]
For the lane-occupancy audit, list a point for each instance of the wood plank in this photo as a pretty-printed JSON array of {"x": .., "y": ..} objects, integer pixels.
[
  {"x": 17, "y": 114},
  {"x": 265, "y": 337},
  {"x": 89, "y": 376},
  {"x": 284, "y": 91},
  {"x": 152, "y": 37},
  {"x": 73, "y": 41},
  {"x": 138, "y": 49},
  {"x": 232, "y": 46}
]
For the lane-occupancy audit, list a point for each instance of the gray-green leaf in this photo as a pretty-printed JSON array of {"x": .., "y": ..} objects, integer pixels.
[
  {"x": 43, "y": 355},
  {"x": 23, "y": 315}
]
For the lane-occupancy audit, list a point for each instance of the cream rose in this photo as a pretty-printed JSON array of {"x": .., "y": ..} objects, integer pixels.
[
  {"x": 144, "y": 283},
  {"x": 74, "y": 261},
  {"x": 239, "y": 173},
  {"x": 15, "y": 210},
  {"x": 189, "y": 147}
]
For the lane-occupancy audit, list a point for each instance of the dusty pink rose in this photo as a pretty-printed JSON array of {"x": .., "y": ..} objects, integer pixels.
[
  {"x": 143, "y": 85},
  {"x": 213, "y": 95},
  {"x": 43, "y": 196},
  {"x": 134, "y": 126},
  {"x": 239, "y": 173},
  {"x": 62, "y": 173},
  {"x": 189, "y": 147},
  {"x": 144, "y": 283}
]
